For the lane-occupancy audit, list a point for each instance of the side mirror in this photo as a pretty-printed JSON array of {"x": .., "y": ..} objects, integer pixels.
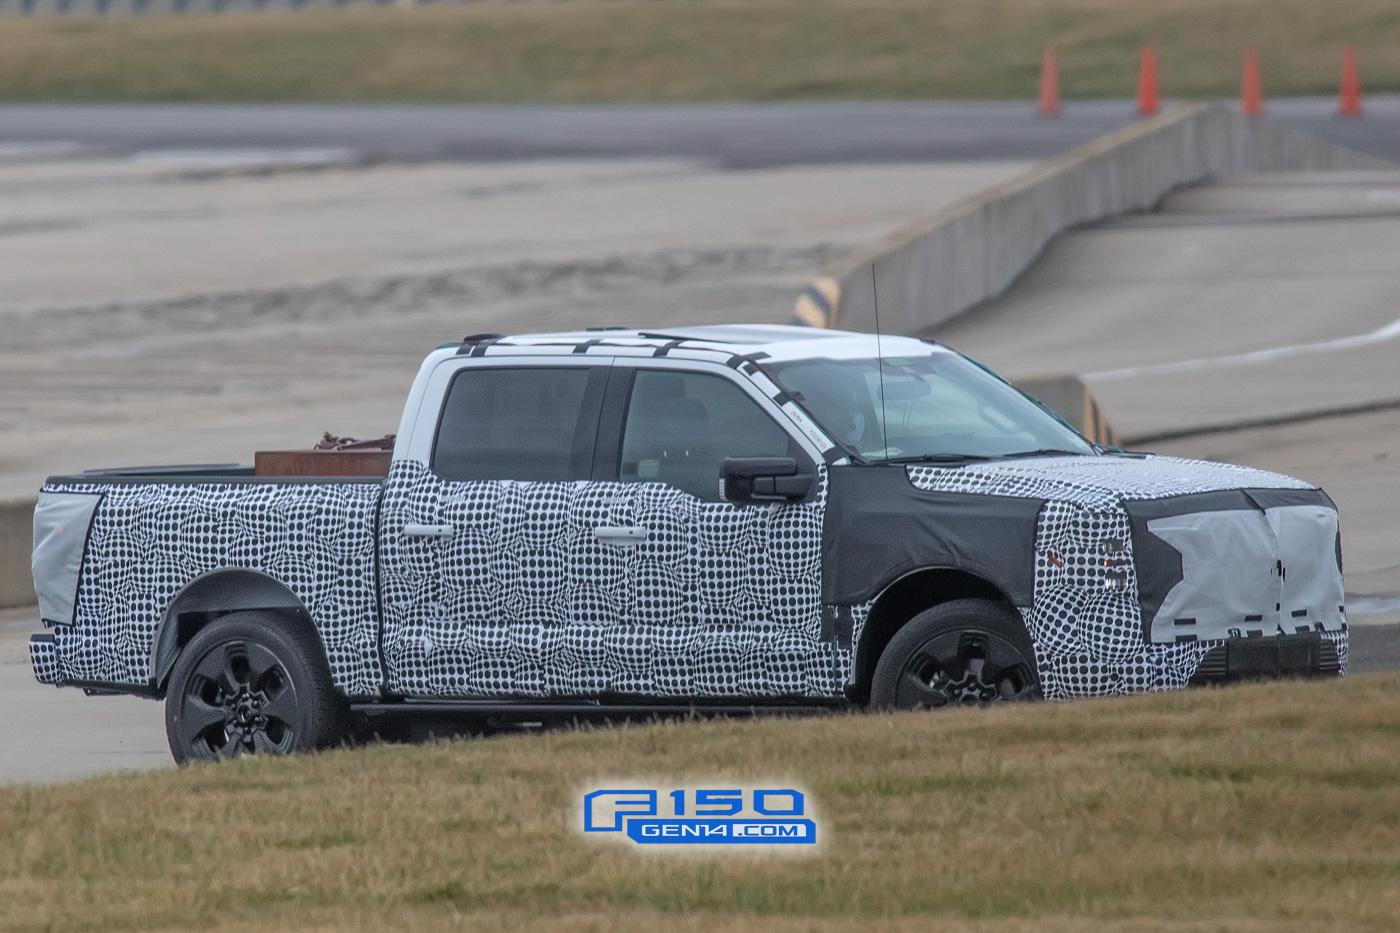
[{"x": 763, "y": 479}]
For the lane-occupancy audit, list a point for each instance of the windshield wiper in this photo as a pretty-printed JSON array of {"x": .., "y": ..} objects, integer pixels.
[
  {"x": 933, "y": 458},
  {"x": 969, "y": 458},
  {"x": 1044, "y": 452}
]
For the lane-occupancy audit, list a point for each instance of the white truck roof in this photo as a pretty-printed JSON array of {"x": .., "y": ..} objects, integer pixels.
[{"x": 764, "y": 341}]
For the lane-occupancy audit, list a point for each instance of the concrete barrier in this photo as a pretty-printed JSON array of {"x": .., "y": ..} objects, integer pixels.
[
  {"x": 16, "y": 544},
  {"x": 1068, "y": 396},
  {"x": 973, "y": 250}
]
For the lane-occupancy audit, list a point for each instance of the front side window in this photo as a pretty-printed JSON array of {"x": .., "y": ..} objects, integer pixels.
[
  {"x": 681, "y": 426},
  {"x": 921, "y": 407},
  {"x": 520, "y": 424}
]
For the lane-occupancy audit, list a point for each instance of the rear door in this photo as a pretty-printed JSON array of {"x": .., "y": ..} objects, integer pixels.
[{"x": 487, "y": 566}]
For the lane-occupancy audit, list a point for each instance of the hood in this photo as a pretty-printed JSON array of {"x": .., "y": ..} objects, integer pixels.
[
  {"x": 1209, "y": 550},
  {"x": 1098, "y": 482}
]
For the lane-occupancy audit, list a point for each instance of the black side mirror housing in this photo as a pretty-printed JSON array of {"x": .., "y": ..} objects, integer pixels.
[{"x": 764, "y": 479}]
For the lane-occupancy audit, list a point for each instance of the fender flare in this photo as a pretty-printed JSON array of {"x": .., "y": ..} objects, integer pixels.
[
  {"x": 873, "y": 637},
  {"x": 213, "y": 594}
]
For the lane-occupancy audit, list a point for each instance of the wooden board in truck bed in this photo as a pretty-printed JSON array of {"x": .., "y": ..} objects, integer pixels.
[{"x": 321, "y": 462}]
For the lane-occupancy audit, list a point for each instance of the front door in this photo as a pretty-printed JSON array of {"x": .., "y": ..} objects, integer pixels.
[{"x": 718, "y": 600}]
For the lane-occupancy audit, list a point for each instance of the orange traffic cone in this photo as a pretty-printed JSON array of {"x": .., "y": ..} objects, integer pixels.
[
  {"x": 1350, "y": 103},
  {"x": 1251, "y": 89},
  {"x": 1049, "y": 83},
  {"x": 1148, "y": 102}
]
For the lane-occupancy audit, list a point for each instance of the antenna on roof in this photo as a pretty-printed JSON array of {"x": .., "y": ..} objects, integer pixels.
[{"x": 880, "y": 364}]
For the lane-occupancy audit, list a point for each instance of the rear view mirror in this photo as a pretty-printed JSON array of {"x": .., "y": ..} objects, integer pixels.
[
  {"x": 764, "y": 479},
  {"x": 905, "y": 389}
]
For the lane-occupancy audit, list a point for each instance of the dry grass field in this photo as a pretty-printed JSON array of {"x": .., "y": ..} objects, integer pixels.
[
  {"x": 1262, "y": 807},
  {"x": 688, "y": 50}
]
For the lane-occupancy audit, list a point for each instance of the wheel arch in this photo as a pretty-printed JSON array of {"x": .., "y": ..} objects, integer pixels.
[
  {"x": 212, "y": 596},
  {"x": 901, "y": 601}
]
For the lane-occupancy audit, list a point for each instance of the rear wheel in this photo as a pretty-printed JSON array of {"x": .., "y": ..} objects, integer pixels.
[
  {"x": 968, "y": 652},
  {"x": 248, "y": 684}
]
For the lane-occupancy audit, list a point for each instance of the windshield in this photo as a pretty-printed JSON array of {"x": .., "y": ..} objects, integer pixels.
[{"x": 940, "y": 406}]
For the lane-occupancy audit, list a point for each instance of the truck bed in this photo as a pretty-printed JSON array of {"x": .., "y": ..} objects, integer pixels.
[
  {"x": 267, "y": 464},
  {"x": 149, "y": 534}
]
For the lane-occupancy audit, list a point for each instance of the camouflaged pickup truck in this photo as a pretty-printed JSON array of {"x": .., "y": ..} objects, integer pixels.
[{"x": 719, "y": 518}]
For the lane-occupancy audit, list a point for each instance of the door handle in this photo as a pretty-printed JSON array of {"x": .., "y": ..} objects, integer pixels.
[
  {"x": 621, "y": 534},
  {"x": 428, "y": 531}
]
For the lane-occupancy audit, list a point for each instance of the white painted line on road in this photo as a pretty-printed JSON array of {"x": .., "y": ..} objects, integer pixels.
[
  {"x": 40, "y": 151},
  {"x": 1386, "y": 609},
  {"x": 242, "y": 157},
  {"x": 1389, "y": 332},
  {"x": 1373, "y": 603}
]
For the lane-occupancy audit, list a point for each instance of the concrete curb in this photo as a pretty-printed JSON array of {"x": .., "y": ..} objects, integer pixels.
[
  {"x": 16, "y": 545},
  {"x": 1272, "y": 421},
  {"x": 973, "y": 250}
]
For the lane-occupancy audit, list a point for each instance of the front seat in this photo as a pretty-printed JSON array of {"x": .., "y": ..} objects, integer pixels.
[{"x": 675, "y": 433}]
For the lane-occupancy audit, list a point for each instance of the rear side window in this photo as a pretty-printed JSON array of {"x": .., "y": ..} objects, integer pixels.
[
  {"x": 681, "y": 426},
  {"x": 534, "y": 424}
]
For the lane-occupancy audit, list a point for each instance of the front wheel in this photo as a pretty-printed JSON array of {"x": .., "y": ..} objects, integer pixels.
[
  {"x": 249, "y": 684},
  {"x": 968, "y": 652}
]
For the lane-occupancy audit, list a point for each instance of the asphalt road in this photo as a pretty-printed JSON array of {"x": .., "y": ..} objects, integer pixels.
[{"x": 733, "y": 135}]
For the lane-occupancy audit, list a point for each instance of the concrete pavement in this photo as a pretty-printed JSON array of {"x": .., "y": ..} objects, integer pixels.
[
  {"x": 150, "y": 318},
  {"x": 152, "y": 313},
  {"x": 1238, "y": 301},
  {"x": 1248, "y": 300},
  {"x": 1225, "y": 306},
  {"x": 50, "y": 735}
]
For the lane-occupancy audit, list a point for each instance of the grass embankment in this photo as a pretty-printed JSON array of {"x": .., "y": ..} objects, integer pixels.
[
  {"x": 684, "y": 50},
  {"x": 1264, "y": 807}
]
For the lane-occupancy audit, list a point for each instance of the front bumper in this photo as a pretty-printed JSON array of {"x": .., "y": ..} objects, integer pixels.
[{"x": 43, "y": 654}]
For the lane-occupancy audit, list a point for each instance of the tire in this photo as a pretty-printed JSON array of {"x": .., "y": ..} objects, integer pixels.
[
  {"x": 968, "y": 652},
  {"x": 249, "y": 683}
]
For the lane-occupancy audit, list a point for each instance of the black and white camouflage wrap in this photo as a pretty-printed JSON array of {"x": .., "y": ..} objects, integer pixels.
[
  {"x": 1085, "y": 619},
  {"x": 719, "y": 601},
  {"x": 43, "y": 657},
  {"x": 524, "y": 600},
  {"x": 149, "y": 541}
]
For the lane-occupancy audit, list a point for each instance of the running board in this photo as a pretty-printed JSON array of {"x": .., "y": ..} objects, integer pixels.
[{"x": 527, "y": 711}]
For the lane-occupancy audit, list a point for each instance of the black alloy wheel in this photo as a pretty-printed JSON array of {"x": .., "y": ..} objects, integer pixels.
[
  {"x": 968, "y": 652},
  {"x": 239, "y": 700},
  {"x": 250, "y": 684}
]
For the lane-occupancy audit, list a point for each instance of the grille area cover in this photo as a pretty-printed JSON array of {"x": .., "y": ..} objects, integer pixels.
[{"x": 1238, "y": 564}]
